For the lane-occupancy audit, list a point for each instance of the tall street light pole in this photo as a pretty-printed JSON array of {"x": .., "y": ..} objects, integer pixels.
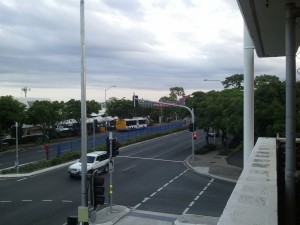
[
  {"x": 105, "y": 96},
  {"x": 83, "y": 209}
]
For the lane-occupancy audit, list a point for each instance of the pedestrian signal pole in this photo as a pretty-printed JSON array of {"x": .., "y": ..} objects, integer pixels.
[{"x": 110, "y": 170}]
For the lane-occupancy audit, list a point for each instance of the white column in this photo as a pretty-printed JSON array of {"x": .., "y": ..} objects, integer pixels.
[{"x": 248, "y": 95}]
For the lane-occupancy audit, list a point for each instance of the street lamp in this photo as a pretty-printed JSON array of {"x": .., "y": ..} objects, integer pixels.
[
  {"x": 212, "y": 80},
  {"x": 105, "y": 95}
]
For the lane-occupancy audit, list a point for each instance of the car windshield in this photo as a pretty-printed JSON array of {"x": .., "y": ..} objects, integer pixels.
[{"x": 90, "y": 159}]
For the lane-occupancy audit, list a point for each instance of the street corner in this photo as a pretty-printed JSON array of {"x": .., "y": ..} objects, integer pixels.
[
  {"x": 109, "y": 216},
  {"x": 190, "y": 219}
]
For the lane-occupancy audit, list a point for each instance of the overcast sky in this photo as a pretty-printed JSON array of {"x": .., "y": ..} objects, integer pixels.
[{"x": 141, "y": 46}]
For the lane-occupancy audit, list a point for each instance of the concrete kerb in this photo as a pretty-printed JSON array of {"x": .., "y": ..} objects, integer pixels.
[
  {"x": 190, "y": 219},
  {"x": 107, "y": 217},
  {"x": 205, "y": 171}
]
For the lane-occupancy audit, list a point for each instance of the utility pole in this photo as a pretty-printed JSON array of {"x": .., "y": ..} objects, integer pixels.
[
  {"x": 83, "y": 213},
  {"x": 25, "y": 89},
  {"x": 17, "y": 147}
]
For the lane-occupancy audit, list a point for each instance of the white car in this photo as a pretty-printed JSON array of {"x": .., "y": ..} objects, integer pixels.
[{"x": 95, "y": 161}]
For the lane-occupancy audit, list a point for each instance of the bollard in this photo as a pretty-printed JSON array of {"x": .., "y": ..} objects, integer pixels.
[{"x": 46, "y": 146}]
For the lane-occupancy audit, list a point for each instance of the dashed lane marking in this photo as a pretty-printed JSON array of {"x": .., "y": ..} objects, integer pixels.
[
  {"x": 198, "y": 196},
  {"x": 158, "y": 190}
]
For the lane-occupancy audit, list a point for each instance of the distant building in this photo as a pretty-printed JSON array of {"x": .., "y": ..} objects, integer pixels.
[{"x": 29, "y": 101}]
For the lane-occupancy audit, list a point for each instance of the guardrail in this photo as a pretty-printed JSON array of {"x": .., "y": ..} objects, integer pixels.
[{"x": 254, "y": 199}]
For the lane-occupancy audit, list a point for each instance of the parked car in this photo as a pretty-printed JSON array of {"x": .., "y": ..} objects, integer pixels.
[{"x": 95, "y": 161}]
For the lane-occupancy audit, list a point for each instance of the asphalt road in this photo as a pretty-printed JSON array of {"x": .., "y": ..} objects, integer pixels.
[{"x": 148, "y": 176}]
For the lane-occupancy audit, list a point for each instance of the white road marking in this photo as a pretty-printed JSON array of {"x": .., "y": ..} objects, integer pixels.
[
  {"x": 163, "y": 160},
  {"x": 142, "y": 151},
  {"x": 22, "y": 179},
  {"x": 185, "y": 211},
  {"x": 47, "y": 200},
  {"x": 162, "y": 153},
  {"x": 66, "y": 201},
  {"x": 159, "y": 189},
  {"x": 166, "y": 184},
  {"x": 154, "y": 193},
  {"x": 138, "y": 205},
  {"x": 7, "y": 201},
  {"x": 129, "y": 167},
  {"x": 145, "y": 199},
  {"x": 198, "y": 196}
]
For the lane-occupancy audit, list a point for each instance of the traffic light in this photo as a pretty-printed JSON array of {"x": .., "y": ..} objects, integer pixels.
[
  {"x": 115, "y": 147},
  {"x": 98, "y": 191},
  {"x": 192, "y": 127},
  {"x": 195, "y": 135},
  {"x": 135, "y": 100},
  {"x": 13, "y": 131}
]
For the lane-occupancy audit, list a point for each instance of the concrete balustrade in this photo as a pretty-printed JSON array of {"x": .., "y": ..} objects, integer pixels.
[{"x": 254, "y": 198}]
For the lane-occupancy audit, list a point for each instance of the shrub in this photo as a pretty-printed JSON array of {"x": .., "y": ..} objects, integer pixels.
[{"x": 205, "y": 149}]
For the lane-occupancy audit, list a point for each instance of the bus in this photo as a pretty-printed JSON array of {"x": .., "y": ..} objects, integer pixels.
[{"x": 131, "y": 124}]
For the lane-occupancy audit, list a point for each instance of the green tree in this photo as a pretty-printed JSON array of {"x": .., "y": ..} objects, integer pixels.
[
  {"x": 269, "y": 106},
  {"x": 234, "y": 81},
  {"x": 73, "y": 109},
  {"x": 120, "y": 107},
  {"x": 176, "y": 92},
  {"x": 44, "y": 113},
  {"x": 11, "y": 111},
  {"x": 92, "y": 107}
]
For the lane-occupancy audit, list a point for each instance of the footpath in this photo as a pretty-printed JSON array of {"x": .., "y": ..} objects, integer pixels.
[{"x": 211, "y": 164}]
